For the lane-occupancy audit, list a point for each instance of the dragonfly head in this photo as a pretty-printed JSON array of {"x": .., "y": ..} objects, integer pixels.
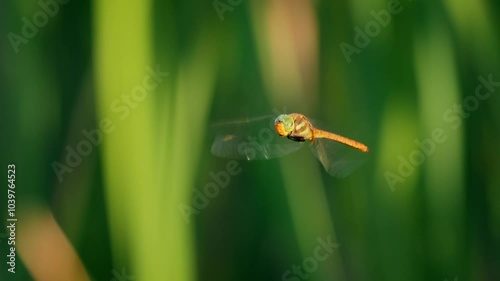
[{"x": 284, "y": 125}]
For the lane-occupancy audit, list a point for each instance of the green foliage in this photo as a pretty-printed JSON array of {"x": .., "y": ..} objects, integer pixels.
[{"x": 108, "y": 106}]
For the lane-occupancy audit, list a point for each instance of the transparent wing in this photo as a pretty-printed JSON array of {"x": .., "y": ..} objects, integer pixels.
[
  {"x": 338, "y": 160},
  {"x": 244, "y": 122},
  {"x": 251, "y": 148},
  {"x": 255, "y": 139}
]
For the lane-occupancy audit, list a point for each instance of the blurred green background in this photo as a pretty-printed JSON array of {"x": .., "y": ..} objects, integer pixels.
[{"x": 107, "y": 106}]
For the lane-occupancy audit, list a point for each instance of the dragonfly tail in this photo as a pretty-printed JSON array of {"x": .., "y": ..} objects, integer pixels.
[{"x": 338, "y": 138}]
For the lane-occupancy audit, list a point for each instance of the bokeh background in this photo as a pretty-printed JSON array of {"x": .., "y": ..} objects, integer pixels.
[{"x": 119, "y": 211}]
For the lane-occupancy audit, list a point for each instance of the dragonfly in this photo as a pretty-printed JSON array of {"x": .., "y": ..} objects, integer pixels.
[{"x": 253, "y": 139}]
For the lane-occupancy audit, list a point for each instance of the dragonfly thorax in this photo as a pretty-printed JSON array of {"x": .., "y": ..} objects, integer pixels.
[{"x": 295, "y": 126}]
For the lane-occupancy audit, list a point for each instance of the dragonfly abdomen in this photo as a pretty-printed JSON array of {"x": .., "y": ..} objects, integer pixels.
[{"x": 338, "y": 138}]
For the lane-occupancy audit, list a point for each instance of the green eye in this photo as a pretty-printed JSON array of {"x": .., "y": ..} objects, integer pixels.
[{"x": 287, "y": 121}]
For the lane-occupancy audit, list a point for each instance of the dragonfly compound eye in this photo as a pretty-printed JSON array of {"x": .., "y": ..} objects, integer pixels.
[
  {"x": 288, "y": 123},
  {"x": 284, "y": 124}
]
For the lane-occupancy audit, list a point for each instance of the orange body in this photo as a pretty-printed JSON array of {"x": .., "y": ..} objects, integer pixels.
[{"x": 303, "y": 130}]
